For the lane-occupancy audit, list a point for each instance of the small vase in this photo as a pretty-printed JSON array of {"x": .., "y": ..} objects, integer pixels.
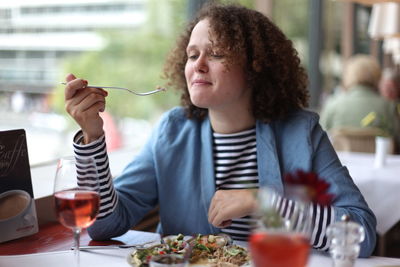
[{"x": 382, "y": 145}]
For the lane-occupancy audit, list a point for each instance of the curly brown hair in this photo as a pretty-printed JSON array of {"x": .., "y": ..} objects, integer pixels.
[{"x": 272, "y": 66}]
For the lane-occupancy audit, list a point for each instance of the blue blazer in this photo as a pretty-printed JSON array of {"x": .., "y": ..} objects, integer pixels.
[{"x": 175, "y": 170}]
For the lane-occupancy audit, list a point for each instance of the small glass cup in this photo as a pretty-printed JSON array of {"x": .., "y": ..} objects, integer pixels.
[
  {"x": 279, "y": 241},
  {"x": 168, "y": 260}
]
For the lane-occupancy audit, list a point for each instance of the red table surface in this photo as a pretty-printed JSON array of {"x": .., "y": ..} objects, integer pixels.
[{"x": 51, "y": 237}]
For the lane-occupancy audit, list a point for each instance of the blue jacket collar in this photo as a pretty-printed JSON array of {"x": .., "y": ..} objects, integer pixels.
[{"x": 207, "y": 167}]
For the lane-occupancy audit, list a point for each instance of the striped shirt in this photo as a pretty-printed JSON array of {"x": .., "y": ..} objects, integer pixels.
[
  {"x": 235, "y": 159},
  {"x": 97, "y": 150}
]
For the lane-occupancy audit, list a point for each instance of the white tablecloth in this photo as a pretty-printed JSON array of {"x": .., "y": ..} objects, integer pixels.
[
  {"x": 118, "y": 258},
  {"x": 380, "y": 186}
]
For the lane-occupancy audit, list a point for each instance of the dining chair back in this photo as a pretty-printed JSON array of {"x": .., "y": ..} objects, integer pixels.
[{"x": 356, "y": 139}]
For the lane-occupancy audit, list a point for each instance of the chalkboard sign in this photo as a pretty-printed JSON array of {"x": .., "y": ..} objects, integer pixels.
[
  {"x": 14, "y": 162},
  {"x": 17, "y": 205}
]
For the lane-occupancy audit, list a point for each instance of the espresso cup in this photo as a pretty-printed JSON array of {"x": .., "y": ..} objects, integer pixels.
[
  {"x": 14, "y": 203},
  {"x": 17, "y": 215}
]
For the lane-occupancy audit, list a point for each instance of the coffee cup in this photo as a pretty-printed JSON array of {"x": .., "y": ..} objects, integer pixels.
[
  {"x": 17, "y": 215},
  {"x": 13, "y": 203}
]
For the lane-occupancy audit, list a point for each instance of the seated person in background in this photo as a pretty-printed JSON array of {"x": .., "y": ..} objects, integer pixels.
[
  {"x": 389, "y": 88},
  {"x": 359, "y": 97},
  {"x": 389, "y": 85},
  {"x": 242, "y": 125}
]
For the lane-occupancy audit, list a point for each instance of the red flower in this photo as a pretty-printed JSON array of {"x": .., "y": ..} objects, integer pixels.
[{"x": 315, "y": 186}]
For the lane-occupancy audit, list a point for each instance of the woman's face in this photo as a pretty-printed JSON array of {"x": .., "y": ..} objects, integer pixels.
[{"x": 211, "y": 84}]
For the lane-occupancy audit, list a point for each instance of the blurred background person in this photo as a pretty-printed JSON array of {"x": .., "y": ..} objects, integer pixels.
[
  {"x": 389, "y": 88},
  {"x": 359, "y": 97},
  {"x": 389, "y": 85}
]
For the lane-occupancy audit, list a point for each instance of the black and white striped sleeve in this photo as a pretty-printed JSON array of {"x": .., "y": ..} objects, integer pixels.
[
  {"x": 98, "y": 151},
  {"x": 322, "y": 217}
]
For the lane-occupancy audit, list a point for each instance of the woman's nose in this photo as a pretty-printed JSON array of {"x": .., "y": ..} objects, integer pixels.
[{"x": 201, "y": 64}]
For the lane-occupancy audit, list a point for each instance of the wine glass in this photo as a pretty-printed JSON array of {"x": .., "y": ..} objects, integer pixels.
[
  {"x": 282, "y": 241},
  {"x": 76, "y": 195}
]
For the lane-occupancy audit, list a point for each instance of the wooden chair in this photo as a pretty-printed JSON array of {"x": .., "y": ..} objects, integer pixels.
[
  {"x": 356, "y": 139},
  {"x": 149, "y": 222}
]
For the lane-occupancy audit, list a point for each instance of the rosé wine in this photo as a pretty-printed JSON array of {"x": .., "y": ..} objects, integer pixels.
[{"x": 76, "y": 208}]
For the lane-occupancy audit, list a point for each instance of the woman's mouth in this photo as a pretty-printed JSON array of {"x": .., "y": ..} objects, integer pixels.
[{"x": 200, "y": 82}]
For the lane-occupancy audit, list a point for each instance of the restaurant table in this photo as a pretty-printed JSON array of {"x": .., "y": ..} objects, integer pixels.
[
  {"x": 379, "y": 186},
  {"x": 51, "y": 247},
  {"x": 119, "y": 258}
]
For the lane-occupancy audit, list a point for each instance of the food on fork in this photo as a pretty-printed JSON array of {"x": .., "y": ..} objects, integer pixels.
[{"x": 161, "y": 88}]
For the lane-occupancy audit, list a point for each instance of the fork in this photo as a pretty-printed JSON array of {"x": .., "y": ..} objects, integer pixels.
[
  {"x": 159, "y": 89},
  {"x": 142, "y": 245}
]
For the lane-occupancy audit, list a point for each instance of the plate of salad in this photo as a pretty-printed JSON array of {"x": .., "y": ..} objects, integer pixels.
[{"x": 204, "y": 250}]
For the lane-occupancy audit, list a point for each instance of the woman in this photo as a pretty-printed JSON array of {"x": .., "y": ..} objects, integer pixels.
[{"x": 241, "y": 126}]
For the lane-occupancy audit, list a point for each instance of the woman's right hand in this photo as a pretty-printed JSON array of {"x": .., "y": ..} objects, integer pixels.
[
  {"x": 84, "y": 104},
  {"x": 227, "y": 205}
]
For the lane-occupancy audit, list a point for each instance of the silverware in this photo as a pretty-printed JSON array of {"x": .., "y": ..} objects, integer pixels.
[
  {"x": 142, "y": 245},
  {"x": 159, "y": 89}
]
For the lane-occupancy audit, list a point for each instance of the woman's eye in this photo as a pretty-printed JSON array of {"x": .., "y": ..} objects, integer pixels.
[
  {"x": 192, "y": 56},
  {"x": 216, "y": 55}
]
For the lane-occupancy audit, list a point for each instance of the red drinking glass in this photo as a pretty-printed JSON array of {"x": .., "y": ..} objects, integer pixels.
[{"x": 281, "y": 241}]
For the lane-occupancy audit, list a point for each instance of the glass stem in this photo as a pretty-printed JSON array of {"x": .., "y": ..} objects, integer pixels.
[{"x": 77, "y": 233}]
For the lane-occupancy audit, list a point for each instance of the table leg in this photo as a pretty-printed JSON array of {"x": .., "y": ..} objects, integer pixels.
[{"x": 381, "y": 245}]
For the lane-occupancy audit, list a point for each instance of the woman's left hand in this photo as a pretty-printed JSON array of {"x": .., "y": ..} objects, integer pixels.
[{"x": 231, "y": 204}]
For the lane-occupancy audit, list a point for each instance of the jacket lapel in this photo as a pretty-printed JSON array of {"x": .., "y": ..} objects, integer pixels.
[
  {"x": 269, "y": 173},
  {"x": 207, "y": 168}
]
